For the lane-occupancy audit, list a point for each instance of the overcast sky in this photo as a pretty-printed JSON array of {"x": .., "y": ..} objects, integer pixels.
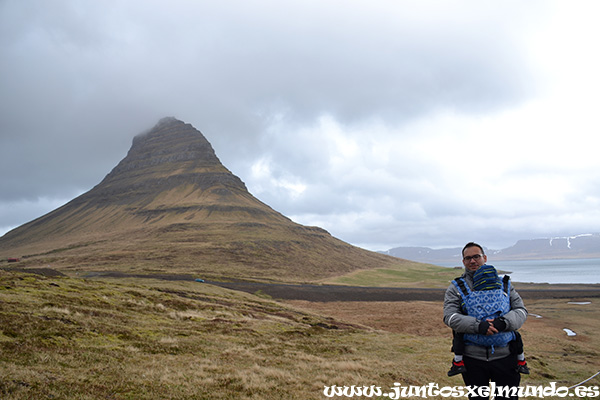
[{"x": 388, "y": 123}]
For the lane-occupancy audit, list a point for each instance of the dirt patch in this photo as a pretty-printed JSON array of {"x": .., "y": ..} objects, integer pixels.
[
  {"x": 335, "y": 293},
  {"x": 339, "y": 293}
]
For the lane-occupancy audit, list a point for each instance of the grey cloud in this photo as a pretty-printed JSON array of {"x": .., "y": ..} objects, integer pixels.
[{"x": 80, "y": 78}]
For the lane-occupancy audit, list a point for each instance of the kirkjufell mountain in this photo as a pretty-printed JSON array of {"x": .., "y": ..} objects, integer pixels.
[{"x": 170, "y": 206}]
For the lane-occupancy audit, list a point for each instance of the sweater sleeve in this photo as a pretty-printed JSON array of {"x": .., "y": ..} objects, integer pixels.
[
  {"x": 517, "y": 315},
  {"x": 453, "y": 315}
]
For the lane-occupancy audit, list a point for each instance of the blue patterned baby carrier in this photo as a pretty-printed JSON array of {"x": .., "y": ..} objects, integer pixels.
[{"x": 484, "y": 304}]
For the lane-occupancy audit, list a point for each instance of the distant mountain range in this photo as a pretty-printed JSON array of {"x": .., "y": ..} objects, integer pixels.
[{"x": 579, "y": 246}]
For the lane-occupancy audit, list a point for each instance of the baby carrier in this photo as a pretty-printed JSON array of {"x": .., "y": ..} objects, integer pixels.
[{"x": 484, "y": 304}]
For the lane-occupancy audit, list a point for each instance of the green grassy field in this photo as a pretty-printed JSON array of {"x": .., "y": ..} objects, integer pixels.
[
  {"x": 68, "y": 338},
  {"x": 410, "y": 274}
]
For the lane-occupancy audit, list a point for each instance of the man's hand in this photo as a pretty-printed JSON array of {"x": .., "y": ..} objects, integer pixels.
[
  {"x": 500, "y": 324},
  {"x": 487, "y": 327},
  {"x": 492, "y": 329}
]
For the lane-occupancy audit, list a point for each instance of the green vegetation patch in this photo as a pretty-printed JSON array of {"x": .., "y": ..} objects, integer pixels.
[{"x": 408, "y": 274}]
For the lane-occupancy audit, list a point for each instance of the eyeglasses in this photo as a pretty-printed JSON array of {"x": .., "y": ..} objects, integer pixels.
[{"x": 475, "y": 257}]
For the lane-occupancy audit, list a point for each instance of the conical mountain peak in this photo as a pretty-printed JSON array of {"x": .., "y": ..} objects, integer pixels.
[
  {"x": 171, "y": 206},
  {"x": 172, "y": 155},
  {"x": 172, "y": 140},
  {"x": 172, "y": 148}
]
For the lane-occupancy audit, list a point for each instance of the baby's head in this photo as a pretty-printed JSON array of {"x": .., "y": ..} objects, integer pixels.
[{"x": 486, "y": 278}]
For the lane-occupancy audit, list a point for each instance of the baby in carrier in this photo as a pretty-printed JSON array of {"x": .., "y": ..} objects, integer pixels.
[{"x": 485, "y": 279}]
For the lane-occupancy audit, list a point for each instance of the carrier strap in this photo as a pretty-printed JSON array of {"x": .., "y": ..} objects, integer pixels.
[
  {"x": 463, "y": 291},
  {"x": 506, "y": 284},
  {"x": 460, "y": 282}
]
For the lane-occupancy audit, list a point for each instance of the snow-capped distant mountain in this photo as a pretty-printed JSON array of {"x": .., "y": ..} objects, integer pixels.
[{"x": 578, "y": 246}]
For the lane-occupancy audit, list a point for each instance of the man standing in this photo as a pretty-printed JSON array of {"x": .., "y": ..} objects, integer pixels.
[{"x": 484, "y": 363}]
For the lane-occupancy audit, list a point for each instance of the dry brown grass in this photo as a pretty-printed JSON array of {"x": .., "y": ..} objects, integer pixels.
[
  {"x": 551, "y": 354},
  {"x": 97, "y": 339},
  {"x": 69, "y": 338},
  {"x": 420, "y": 318}
]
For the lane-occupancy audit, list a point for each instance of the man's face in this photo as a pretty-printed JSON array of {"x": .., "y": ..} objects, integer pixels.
[{"x": 473, "y": 258}]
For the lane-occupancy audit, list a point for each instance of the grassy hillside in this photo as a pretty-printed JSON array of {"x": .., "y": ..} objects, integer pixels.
[
  {"x": 66, "y": 338},
  {"x": 252, "y": 251}
]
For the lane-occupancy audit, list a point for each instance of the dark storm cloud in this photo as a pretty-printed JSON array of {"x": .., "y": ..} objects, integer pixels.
[
  {"x": 78, "y": 76},
  {"x": 79, "y": 79}
]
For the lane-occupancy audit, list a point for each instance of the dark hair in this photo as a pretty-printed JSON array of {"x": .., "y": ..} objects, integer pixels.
[{"x": 472, "y": 244}]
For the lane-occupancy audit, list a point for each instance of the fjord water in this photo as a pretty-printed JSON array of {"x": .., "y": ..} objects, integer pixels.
[{"x": 584, "y": 270}]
